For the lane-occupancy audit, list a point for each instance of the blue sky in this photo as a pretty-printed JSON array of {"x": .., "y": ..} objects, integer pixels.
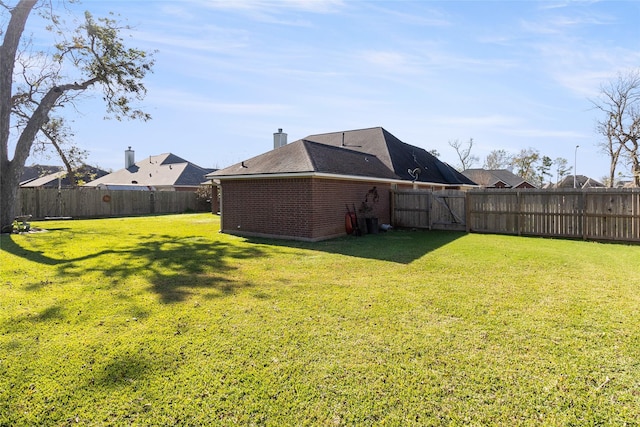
[{"x": 509, "y": 74}]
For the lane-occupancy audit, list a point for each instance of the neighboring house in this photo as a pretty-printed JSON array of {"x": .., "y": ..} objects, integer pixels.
[
  {"x": 625, "y": 184},
  {"x": 59, "y": 179},
  {"x": 302, "y": 190},
  {"x": 581, "y": 181},
  {"x": 29, "y": 173},
  {"x": 497, "y": 178},
  {"x": 164, "y": 172}
]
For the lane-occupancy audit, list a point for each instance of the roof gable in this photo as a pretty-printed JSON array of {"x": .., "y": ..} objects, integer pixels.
[
  {"x": 29, "y": 173},
  {"x": 60, "y": 178},
  {"x": 44, "y": 180},
  {"x": 502, "y": 178},
  {"x": 312, "y": 157},
  {"x": 581, "y": 181},
  {"x": 398, "y": 156},
  {"x": 372, "y": 152},
  {"x": 163, "y": 170}
]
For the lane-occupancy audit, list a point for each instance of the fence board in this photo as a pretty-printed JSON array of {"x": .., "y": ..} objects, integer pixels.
[
  {"x": 410, "y": 208},
  {"x": 448, "y": 210},
  {"x": 93, "y": 203},
  {"x": 594, "y": 214},
  {"x": 443, "y": 210}
]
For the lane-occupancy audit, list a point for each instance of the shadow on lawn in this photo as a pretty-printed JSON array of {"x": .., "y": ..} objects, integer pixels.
[
  {"x": 400, "y": 246},
  {"x": 174, "y": 266}
]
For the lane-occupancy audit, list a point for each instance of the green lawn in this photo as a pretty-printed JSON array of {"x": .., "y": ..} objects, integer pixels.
[{"x": 162, "y": 320}]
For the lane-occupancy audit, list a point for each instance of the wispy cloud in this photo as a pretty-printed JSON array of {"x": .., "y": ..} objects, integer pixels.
[
  {"x": 314, "y": 6},
  {"x": 276, "y": 12},
  {"x": 582, "y": 65},
  {"x": 395, "y": 61},
  {"x": 489, "y": 121},
  {"x": 560, "y": 24},
  {"x": 211, "y": 39},
  {"x": 428, "y": 16},
  {"x": 189, "y": 101}
]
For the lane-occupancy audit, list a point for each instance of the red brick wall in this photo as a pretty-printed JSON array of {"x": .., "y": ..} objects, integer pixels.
[
  {"x": 332, "y": 198},
  {"x": 298, "y": 208},
  {"x": 215, "y": 199}
]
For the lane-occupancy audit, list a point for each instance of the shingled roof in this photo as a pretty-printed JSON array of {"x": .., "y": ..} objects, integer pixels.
[
  {"x": 373, "y": 153},
  {"x": 56, "y": 176},
  {"x": 304, "y": 156},
  {"x": 493, "y": 177},
  {"x": 581, "y": 181},
  {"x": 163, "y": 170}
]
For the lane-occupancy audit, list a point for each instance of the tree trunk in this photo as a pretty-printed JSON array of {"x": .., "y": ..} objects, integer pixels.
[
  {"x": 635, "y": 170},
  {"x": 9, "y": 170},
  {"x": 9, "y": 183}
]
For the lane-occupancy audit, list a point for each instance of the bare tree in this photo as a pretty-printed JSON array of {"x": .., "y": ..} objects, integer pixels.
[
  {"x": 463, "y": 149},
  {"x": 35, "y": 84},
  {"x": 619, "y": 103}
]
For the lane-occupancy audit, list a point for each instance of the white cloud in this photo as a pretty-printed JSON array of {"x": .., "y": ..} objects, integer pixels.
[
  {"x": 426, "y": 17},
  {"x": 489, "y": 121},
  {"x": 195, "y": 103},
  {"x": 272, "y": 11}
]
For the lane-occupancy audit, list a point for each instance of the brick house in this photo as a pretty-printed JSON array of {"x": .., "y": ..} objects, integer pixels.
[
  {"x": 497, "y": 178},
  {"x": 301, "y": 190}
]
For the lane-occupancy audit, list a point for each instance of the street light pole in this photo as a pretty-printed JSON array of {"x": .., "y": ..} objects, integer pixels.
[{"x": 575, "y": 166}]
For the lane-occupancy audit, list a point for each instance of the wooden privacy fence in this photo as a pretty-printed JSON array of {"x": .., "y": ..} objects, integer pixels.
[
  {"x": 441, "y": 210},
  {"x": 93, "y": 203},
  {"x": 593, "y": 214}
]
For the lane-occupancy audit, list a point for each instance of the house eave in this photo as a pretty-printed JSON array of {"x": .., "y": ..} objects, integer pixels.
[{"x": 216, "y": 179}]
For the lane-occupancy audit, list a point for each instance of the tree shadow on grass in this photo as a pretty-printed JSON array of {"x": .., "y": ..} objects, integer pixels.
[
  {"x": 175, "y": 267},
  {"x": 26, "y": 321},
  {"x": 399, "y": 246},
  {"x": 7, "y": 244},
  {"x": 122, "y": 370}
]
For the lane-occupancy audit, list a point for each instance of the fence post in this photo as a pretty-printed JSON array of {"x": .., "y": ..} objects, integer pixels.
[
  {"x": 392, "y": 207},
  {"x": 37, "y": 213},
  {"x": 520, "y": 214},
  {"x": 430, "y": 208},
  {"x": 583, "y": 216},
  {"x": 152, "y": 202},
  {"x": 467, "y": 211}
]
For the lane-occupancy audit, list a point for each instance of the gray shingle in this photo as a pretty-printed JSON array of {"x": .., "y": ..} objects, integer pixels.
[{"x": 372, "y": 152}]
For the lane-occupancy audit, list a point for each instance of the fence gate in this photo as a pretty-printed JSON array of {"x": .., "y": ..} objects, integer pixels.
[
  {"x": 448, "y": 210},
  {"x": 439, "y": 210}
]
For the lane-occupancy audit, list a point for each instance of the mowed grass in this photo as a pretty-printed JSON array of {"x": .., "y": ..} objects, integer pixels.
[{"x": 164, "y": 321}]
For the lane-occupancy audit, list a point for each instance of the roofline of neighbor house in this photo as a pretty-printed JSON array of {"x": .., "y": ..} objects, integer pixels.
[{"x": 323, "y": 175}]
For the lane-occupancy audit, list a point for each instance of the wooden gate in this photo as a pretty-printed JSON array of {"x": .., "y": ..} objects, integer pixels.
[
  {"x": 438, "y": 210},
  {"x": 448, "y": 210}
]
